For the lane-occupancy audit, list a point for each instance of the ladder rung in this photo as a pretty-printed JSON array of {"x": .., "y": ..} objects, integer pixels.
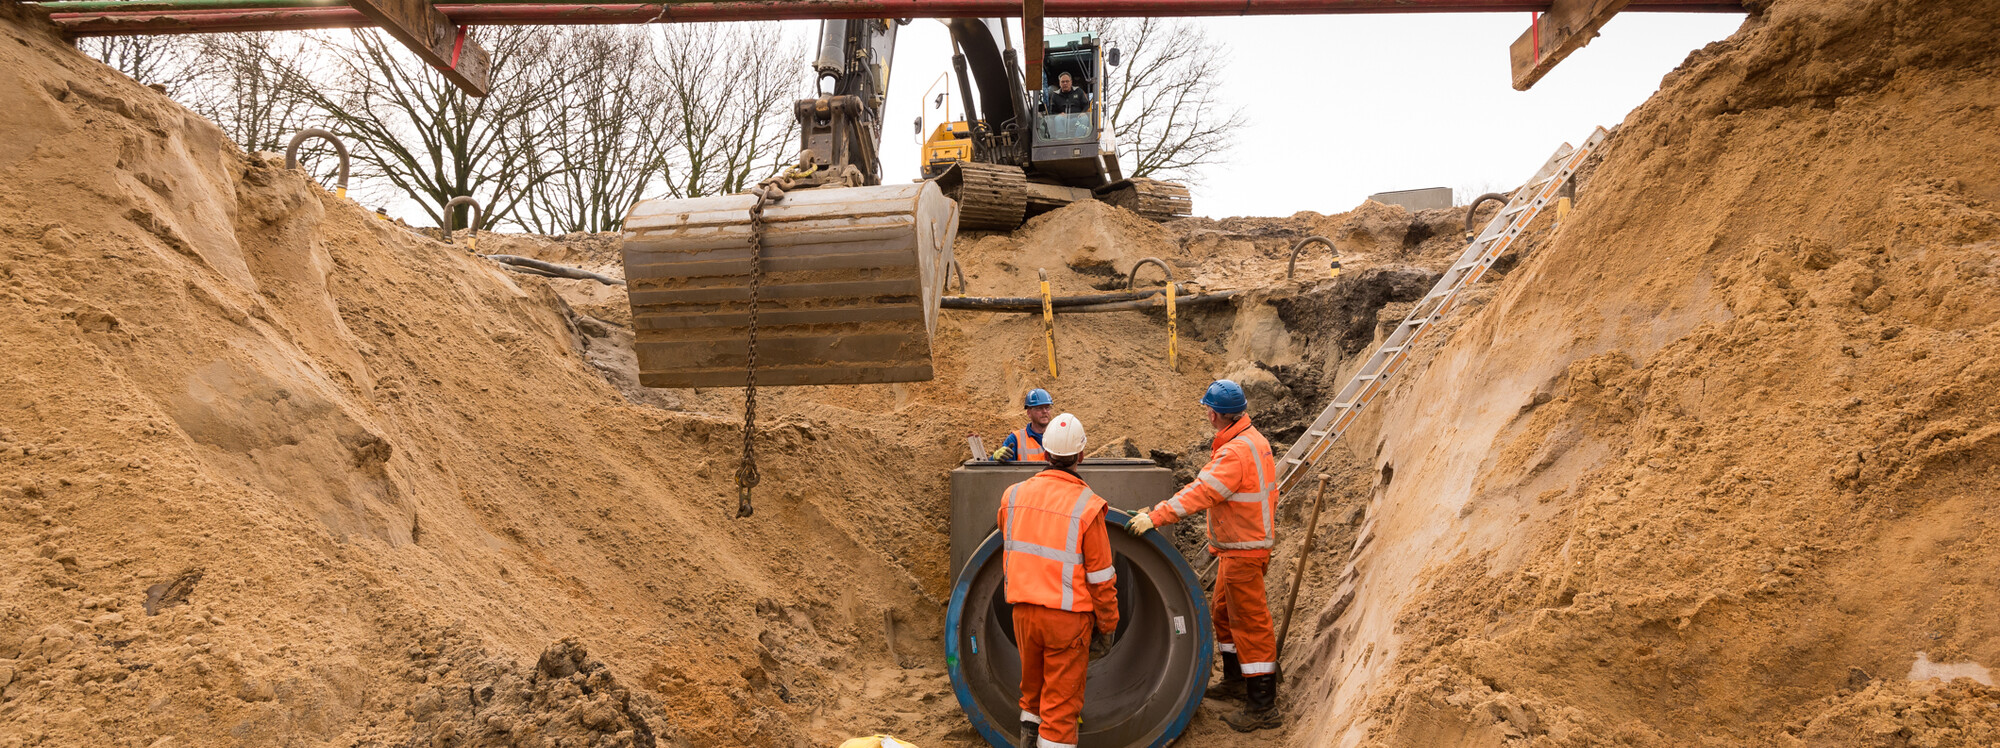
[{"x": 1512, "y": 211}]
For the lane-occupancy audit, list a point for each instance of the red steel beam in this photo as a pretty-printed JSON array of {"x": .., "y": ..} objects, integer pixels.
[{"x": 191, "y": 22}]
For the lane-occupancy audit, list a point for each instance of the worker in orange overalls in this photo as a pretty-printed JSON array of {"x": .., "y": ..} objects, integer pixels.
[
  {"x": 1025, "y": 444},
  {"x": 1060, "y": 581},
  {"x": 1239, "y": 488}
]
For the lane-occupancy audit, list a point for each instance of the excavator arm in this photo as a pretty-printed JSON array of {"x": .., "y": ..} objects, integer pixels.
[{"x": 840, "y": 132}]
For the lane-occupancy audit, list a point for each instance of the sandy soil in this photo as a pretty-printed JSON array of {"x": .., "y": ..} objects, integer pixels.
[
  {"x": 1715, "y": 465},
  {"x": 1708, "y": 465},
  {"x": 273, "y": 471}
]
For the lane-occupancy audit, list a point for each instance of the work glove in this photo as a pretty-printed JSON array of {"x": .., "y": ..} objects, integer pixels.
[
  {"x": 1100, "y": 645},
  {"x": 1003, "y": 454},
  {"x": 1141, "y": 522}
]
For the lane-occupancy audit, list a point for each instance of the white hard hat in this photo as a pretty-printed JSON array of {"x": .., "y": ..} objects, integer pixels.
[{"x": 1064, "y": 436}]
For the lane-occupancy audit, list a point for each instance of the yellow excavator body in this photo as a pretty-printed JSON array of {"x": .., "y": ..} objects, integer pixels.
[{"x": 949, "y": 143}]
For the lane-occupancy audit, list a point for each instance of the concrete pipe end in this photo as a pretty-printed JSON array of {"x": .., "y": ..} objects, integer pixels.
[{"x": 1142, "y": 695}]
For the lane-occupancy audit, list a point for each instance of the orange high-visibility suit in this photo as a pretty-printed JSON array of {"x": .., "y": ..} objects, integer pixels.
[
  {"x": 1026, "y": 447},
  {"x": 1239, "y": 488},
  {"x": 1061, "y": 584}
]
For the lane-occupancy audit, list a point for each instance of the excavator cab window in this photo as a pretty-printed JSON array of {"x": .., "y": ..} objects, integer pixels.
[{"x": 1069, "y": 116}]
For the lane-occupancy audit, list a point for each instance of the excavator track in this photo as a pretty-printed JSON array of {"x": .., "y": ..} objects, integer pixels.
[
  {"x": 991, "y": 197},
  {"x": 1156, "y": 200}
]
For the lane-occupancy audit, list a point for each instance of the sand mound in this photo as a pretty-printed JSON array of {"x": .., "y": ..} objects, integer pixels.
[
  {"x": 273, "y": 470},
  {"x": 1713, "y": 465},
  {"x": 371, "y": 475}
]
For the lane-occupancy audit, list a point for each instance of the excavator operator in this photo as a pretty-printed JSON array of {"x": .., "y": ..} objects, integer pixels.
[
  {"x": 1025, "y": 444},
  {"x": 1239, "y": 488},
  {"x": 1062, "y": 585},
  {"x": 1067, "y": 98}
]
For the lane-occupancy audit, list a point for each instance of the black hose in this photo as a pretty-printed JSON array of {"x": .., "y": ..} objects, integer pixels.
[
  {"x": 1155, "y": 299},
  {"x": 292, "y": 152},
  {"x": 463, "y": 200},
  {"x": 554, "y": 270},
  {"x": 1293, "y": 266},
  {"x": 1133, "y": 279},
  {"x": 1473, "y": 210},
  {"x": 1006, "y": 303}
]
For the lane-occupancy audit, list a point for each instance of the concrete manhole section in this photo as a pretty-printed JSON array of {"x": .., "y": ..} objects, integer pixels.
[{"x": 1140, "y": 695}]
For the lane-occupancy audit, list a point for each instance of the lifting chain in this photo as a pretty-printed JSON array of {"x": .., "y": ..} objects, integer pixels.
[{"x": 767, "y": 193}]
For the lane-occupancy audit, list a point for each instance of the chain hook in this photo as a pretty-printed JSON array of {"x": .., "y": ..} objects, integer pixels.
[{"x": 747, "y": 478}]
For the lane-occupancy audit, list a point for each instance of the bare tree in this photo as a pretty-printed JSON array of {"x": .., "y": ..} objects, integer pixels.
[
  {"x": 234, "y": 87},
  {"x": 609, "y": 140},
  {"x": 580, "y": 122},
  {"x": 165, "y": 61},
  {"x": 733, "y": 86},
  {"x": 1163, "y": 101},
  {"x": 413, "y": 129}
]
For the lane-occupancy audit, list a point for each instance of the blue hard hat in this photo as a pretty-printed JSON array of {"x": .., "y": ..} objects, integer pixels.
[
  {"x": 1037, "y": 397},
  {"x": 1225, "y": 396}
]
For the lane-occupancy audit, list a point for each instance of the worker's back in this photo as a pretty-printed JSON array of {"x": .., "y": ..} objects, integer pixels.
[{"x": 1052, "y": 525}]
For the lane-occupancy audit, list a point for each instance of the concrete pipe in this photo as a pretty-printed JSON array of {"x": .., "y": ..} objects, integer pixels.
[{"x": 1141, "y": 695}]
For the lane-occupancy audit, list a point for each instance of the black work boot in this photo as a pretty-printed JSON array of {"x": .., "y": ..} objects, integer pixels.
[
  {"x": 1261, "y": 711},
  {"x": 1231, "y": 685},
  {"x": 1031, "y": 734}
]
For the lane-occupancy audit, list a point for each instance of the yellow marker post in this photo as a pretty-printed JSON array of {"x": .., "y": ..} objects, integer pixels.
[
  {"x": 1173, "y": 329},
  {"x": 1562, "y": 210},
  {"x": 1048, "y": 321}
]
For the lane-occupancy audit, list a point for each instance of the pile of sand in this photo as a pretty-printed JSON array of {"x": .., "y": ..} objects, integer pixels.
[
  {"x": 372, "y": 479},
  {"x": 273, "y": 470},
  {"x": 1716, "y": 464},
  {"x": 1711, "y": 465}
]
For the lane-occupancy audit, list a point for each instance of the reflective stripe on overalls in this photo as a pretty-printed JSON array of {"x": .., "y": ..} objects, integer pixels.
[{"x": 1028, "y": 448}]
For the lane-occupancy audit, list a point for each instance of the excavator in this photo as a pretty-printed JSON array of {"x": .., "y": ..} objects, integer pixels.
[
  {"x": 1026, "y": 157},
  {"x": 825, "y": 274}
]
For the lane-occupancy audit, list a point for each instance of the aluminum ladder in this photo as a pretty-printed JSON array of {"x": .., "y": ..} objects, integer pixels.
[{"x": 1371, "y": 381}]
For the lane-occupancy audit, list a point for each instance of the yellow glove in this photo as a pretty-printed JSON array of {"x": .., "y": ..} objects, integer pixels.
[
  {"x": 1003, "y": 454},
  {"x": 1141, "y": 522}
]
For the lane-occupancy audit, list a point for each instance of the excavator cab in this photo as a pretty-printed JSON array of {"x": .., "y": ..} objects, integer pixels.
[{"x": 1068, "y": 141}]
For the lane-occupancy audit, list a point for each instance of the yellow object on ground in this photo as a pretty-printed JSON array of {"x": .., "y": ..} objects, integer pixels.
[{"x": 876, "y": 741}]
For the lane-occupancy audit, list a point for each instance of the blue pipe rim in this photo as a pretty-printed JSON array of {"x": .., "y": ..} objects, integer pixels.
[{"x": 1204, "y": 630}]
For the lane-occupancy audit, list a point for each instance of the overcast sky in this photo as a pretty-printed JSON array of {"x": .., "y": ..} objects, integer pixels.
[{"x": 1340, "y": 107}]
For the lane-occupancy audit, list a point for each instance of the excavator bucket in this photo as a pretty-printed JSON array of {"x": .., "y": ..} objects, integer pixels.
[{"x": 848, "y": 295}]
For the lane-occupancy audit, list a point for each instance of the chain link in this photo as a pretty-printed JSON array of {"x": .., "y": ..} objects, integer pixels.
[{"x": 746, "y": 476}]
